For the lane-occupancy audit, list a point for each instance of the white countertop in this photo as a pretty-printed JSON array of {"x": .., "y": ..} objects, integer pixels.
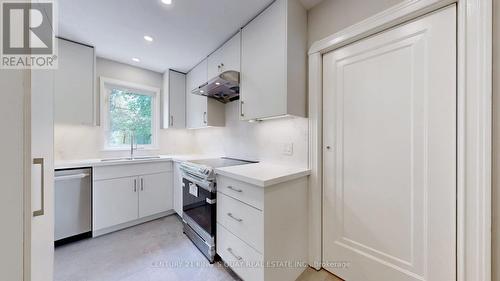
[
  {"x": 263, "y": 174},
  {"x": 83, "y": 163},
  {"x": 260, "y": 174}
]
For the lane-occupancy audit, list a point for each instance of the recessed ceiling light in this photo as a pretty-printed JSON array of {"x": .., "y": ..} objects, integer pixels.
[
  {"x": 166, "y": 2},
  {"x": 201, "y": 91},
  {"x": 136, "y": 59},
  {"x": 148, "y": 38}
]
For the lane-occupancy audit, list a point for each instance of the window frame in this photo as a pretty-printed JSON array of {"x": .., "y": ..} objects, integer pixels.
[{"x": 106, "y": 85}]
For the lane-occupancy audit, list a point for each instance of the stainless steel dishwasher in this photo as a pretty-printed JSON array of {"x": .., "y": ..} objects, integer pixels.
[{"x": 73, "y": 205}]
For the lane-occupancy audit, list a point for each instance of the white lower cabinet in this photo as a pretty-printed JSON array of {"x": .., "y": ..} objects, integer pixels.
[
  {"x": 155, "y": 194},
  {"x": 130, "y": 194},
  {"x": 115, "y": 202},
  {"x": 262, "y": 231}
]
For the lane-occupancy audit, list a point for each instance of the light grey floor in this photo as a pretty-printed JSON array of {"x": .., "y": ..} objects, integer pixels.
[{"x": 154, "y": 251}]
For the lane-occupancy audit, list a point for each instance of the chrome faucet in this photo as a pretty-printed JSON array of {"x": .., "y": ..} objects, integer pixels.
[{"x": 132, "y": 140}]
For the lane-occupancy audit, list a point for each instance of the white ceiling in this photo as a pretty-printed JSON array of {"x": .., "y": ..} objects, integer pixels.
[{"x": 184, "y": 32}]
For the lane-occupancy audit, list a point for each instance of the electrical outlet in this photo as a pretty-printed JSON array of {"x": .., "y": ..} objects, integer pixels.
[{"x": 288, "y": 149}]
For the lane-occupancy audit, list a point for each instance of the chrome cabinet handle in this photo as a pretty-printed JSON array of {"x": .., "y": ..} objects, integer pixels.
[
  {"x": 40, "y": 161},
  {"x": 205, "y": 117},
  {"x": 241, "y": 109},
  {"x": 171, "y": 120},
  {"x": 135, "y": 185},
  {"x": 234, "y": 218},
  {"x": 234, "y": 189},
  {"x": 234, "y": 255},
  {"x": 142, "y": 184}
]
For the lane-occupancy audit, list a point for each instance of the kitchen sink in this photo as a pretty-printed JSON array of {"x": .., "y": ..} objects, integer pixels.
[{"x": 130, "y": 158}]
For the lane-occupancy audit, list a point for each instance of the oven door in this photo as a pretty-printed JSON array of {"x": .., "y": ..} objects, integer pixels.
[{"x": 198, "y": 205}]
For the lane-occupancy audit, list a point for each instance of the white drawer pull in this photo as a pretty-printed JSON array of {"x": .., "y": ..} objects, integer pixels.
[
  {"x": 234, "y": 218},
  {"x": 234, "y": 255},
  {"x": 234, "y": 189}
]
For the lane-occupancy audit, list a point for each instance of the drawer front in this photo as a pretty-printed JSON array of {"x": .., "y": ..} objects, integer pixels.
[
  {"x": 250, "y": 194},
  {"x": 127, "y": 170},
  {"x": 242, "y": 220},
  {"x": 243, "y": 259}
]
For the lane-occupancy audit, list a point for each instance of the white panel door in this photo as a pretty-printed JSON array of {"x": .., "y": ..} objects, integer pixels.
[
  {"x": 155, "y": 194},
  {"x": 42, "y": 175},
  {"x": 115, "y": 201},
  {"x": 390, "y": 154}
]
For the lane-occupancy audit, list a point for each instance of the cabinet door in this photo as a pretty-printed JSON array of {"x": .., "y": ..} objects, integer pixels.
[
  {"x": 42, "y": 175},
  {"x": 174, "y": 107},
  {"x": 226, "y": 58},
  {"x": 115, "y": 201},
  {"x": 74, "y": 84},
  {"x": 155, "y": 194},
  {"x": 177, "y": 189},
  {"x": 196, "y": 108},
  {"x": 263, "y": 64}
]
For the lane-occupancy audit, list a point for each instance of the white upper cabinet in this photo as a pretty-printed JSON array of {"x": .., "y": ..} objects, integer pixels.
[
  {"x": 174, "y": 100},
  {"x": 201, "y": 111},
  {"x": 226, "y": 58},
  {"x": 74, "y": 84},
  {"x": 273, "y": 62}
]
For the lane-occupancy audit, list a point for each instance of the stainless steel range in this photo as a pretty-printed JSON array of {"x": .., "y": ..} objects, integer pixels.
[{"x": 199, "y": 201}]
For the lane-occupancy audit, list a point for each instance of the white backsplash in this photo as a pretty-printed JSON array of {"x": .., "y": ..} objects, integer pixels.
[
  {"x": 85, "y": 142},
  {"x": 262, "y": 141}
]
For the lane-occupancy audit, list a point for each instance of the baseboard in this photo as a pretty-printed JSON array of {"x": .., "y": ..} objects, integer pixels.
[{"x": 114, "y": 228}]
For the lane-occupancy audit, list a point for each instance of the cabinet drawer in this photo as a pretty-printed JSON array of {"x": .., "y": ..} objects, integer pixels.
[
  {"x": 242, "y": 220},
  {"x": 243, "y": 260},
  {"x": 250, "y": 194},
  {"x": 127, "y": 170}
]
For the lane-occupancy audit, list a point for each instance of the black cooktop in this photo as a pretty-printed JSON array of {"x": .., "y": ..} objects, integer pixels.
[{"x": 220, "y": 162}]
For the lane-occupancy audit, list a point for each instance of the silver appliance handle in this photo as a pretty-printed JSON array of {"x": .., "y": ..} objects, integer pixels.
[
  {"x": 41, "y": 211},
  {"x": 71, "y": 177},
  {"x": 204, "y": 184}
]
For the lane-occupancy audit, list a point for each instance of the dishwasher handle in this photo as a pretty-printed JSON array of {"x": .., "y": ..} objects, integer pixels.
[{"x": 71, "y": 177}]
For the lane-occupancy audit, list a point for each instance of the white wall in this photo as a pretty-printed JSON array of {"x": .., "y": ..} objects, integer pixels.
[
  {"x": 83, "y": 142},
  {"x": 331, "y": 16},
  {"x": 261, "y": 141},
  {"x": 11, "y": 200}
]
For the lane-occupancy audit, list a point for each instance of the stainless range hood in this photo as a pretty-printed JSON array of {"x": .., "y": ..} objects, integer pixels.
[{"x": 224, "y": 88}]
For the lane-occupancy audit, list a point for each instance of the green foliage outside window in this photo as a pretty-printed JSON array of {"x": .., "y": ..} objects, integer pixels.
[{"x": 129, "y": 113}]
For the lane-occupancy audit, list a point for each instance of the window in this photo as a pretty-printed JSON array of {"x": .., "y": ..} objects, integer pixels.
[{"x": 129, "y": 110}]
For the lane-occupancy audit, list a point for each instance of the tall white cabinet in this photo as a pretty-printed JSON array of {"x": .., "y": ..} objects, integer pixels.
[
  {"x": 273, "y": 62},
  {"x": 201, "y": 111},
  {"x": 174, "y": 100},
  {"x": 75, "y": 100}
]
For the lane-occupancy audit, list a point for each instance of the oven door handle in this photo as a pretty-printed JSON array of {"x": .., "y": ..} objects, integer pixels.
[{"x": 207, "y": 185}]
